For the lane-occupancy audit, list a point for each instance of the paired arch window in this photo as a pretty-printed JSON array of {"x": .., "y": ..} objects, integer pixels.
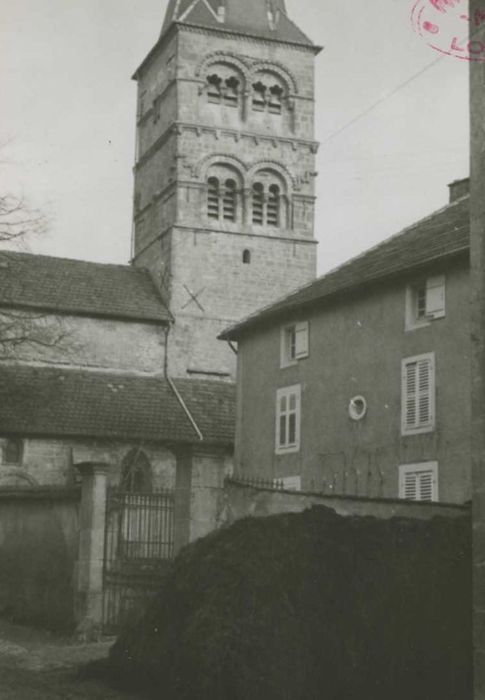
[
  {"x": 267, "y": 98},
  {"x": 221, "y": 199},
  {"x": 223, "y": 91},
  {"x": 266, "y": 205}
]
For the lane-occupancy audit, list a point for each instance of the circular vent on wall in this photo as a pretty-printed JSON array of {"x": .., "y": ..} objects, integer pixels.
[{"x": 357, "y": 408}]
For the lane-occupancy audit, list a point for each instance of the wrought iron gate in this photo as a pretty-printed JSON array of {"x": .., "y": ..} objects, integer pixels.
[{"x": 139, "y": 545}]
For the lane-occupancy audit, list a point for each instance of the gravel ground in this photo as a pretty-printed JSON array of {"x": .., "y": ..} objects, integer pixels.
[{"x": 36, "y": 665}]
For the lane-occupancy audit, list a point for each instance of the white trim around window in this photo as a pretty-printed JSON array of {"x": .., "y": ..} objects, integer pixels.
[
  {"x": 418, "y": 394},
  {"x": 295, "y": 339},
  {"x": 419, "y": 482},
  {"x": 288, "y": 419}
]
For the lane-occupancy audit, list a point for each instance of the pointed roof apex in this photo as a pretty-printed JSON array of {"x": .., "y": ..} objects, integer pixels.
[{"x": 267, "y": 19}]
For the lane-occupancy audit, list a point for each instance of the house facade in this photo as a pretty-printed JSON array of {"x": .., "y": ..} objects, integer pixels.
[{"x": 359, "y": 383}]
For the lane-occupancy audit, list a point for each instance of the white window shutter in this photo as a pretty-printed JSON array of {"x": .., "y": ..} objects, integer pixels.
[
  {"x": 435, "y": 297},
  {"x": 410, "y": 487},
  {"x": 419, "y": 482},
  {"x": 418, "y": 394},
  {"x": 301, "y": 340}
]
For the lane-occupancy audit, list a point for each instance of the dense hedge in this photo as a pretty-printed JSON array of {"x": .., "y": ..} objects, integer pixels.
[{"x": 310, "y": 606}]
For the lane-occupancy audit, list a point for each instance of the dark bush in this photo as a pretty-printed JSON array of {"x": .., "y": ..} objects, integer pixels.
[{"x": 310, "y": 606}]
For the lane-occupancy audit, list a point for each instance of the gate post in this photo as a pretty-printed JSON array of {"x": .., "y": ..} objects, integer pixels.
[{"x": 89, "y": 573}]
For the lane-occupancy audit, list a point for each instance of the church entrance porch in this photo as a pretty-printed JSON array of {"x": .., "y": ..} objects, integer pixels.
[{"x": 139, "y": 547}]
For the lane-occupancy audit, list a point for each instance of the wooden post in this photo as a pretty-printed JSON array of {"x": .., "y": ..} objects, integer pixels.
[
  {"x": 477, "y": 232},
  {"x": 89, "y": 578}
]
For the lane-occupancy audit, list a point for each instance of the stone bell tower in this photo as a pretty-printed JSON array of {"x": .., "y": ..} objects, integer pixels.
[{"x": 225, "y": 168}]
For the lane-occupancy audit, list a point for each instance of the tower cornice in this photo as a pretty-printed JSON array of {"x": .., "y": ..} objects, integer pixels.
[{"x": 176, "y": 26}]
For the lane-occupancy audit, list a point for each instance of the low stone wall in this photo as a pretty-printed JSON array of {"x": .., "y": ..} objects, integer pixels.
[
  {"x": 39, "y": 540},
  {"x": 243, "y": 500}
]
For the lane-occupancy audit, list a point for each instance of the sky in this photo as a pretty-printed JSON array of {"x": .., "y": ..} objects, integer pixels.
[{"x": 392, "y": 119}]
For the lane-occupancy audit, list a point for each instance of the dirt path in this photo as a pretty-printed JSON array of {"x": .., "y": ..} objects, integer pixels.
[{"x": 38, "y": 666}]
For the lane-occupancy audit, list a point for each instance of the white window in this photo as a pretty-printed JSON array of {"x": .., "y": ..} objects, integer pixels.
[
  {"x": 418, "y": 394},
  {"x": 294, "y": 343},
  {"x": 289, "y": 483},
  {"x": 425, "y": 302},
  {"x": 419, "y": 482},
  {"x": 288, "y": 417}
]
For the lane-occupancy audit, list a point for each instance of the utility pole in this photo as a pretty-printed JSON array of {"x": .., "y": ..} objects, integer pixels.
[{"x": 477, "y": 252}]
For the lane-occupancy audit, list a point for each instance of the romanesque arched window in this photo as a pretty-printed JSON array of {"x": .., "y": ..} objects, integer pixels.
[
  {"x": 268, "y": 94},
  {"x": 223, "y": 86},
  {"x": 213, "y": 196},
  {"x": 229, "y": 201},
  {"x": 13, "y": 450},
  {"x": 246, "y": 257},
  {"x": 224, "y": 186},
  {"x": 269, "y": 203},
  {"x": 136, "y": 472},
  {"x": 258, "y": 203},
  {"x": 273, "y": 208}
]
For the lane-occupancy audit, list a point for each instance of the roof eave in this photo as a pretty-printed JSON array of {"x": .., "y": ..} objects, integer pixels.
[
  {"x": 234, "y": 333},
  {"x": 86, "y": 313}
]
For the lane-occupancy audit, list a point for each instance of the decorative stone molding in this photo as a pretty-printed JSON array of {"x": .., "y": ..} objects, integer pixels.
[
  {"x": 228, "y": 57},
  {"x": 7, "y": 475},
  {"x": 278, "y": 167},
  {"x": 278, "y": 69}
]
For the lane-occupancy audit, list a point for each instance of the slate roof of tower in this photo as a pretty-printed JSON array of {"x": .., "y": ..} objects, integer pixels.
[
  {"x": 77, "y": 287},
  {"x": 443, "y": 234},
  {"x": 48, "y": 402},
  {"x": 248, "y": 17}
]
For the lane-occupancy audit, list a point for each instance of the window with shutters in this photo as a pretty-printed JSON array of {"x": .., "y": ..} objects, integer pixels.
[
  {"x": 419, "y": 482},
  {"x": 425, "y": 302},
  {"x": 288, "y": 418},
  {"x": 213, "y": 195},
  {"x": 418, "y": 394},
  {"x": 294, "y": 343}
]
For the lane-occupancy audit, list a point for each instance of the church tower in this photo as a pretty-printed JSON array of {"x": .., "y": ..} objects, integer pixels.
[{"x": 224, "y": 172}]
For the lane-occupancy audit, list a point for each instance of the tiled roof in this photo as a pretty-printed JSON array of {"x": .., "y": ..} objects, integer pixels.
[
  {"x": 75, "y": 287},
  {"x": 444, "y": 233},
  {"x": 74, "y": 403},
  {"x": 250, "y": 17}
]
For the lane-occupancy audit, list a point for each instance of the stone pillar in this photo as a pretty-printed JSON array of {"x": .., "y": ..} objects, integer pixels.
[
  {"x": 183, "y": 499},
  {"x": 89, "y": 574},
  {"x": 477, "y": 238}
]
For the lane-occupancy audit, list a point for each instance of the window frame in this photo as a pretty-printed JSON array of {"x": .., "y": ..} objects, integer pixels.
[
  {"x": 419, "y": 468},
  {"x": 287, "y": 392},
  {"x": 413, "y": 320},
  {"x": 287, "y": 359},
  {"x": 418, "y": 428},
  {"x": 21, "y": 449}
]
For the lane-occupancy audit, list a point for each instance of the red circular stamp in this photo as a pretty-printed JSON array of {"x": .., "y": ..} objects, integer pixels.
[{"x": 449, "y": 27}]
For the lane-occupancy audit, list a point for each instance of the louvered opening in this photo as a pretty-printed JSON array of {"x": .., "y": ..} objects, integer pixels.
[
  {"x": 418, "y": 391},
  {"x": 410, "y": 487},
  {"x": 259, "y": 97},
  {"x": 273, "y": 210},
  {"x": 214, "y": 93},
  {"x": 229, "y": 201},
  {"x": 426, "y": 486},
  {"x": 411, "y": 376},
  {"x": 231, "y": 93},
  {"x": 213, "y": 198},
  {"x": 275, "y": 99},
  {"x": 258, "y": 203}
]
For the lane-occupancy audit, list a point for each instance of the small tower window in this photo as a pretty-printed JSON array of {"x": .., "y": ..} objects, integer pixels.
[
  {"x": 229, "y": 201},
  {"x": 13, "y": 452},
  {"x": 214, "y": 93},
  {"x": 258, "y": 204},
  {"x": 273, "y": 210},
  {"x": 246, "y": 258},
  {"x": 213, "y": 198},
  {"x": 231, "y": 93},
  {"x": 259, "y": 97}
]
